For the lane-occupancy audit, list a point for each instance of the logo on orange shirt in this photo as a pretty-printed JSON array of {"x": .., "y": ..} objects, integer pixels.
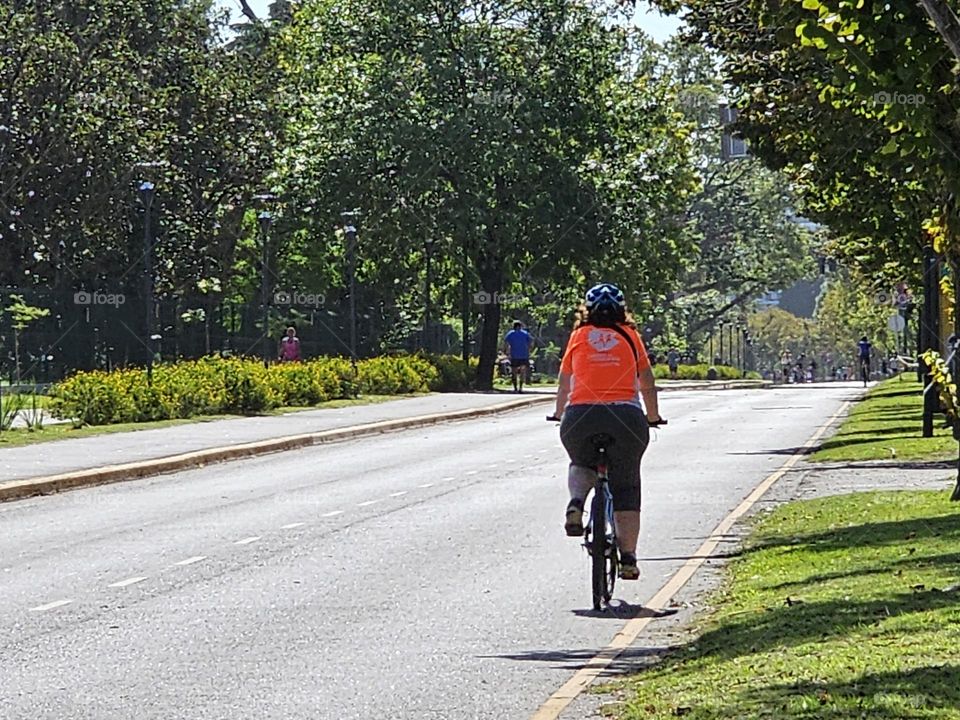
[{"x": 602, "y": 340}]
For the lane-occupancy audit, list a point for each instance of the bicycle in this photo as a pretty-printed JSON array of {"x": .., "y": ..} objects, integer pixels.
[
  {"x": 601, "y": 544},
  {"x": 864, "y": 370}
]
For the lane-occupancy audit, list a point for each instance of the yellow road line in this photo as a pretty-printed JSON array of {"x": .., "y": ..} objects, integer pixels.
[{"x": 556, "y": 703}]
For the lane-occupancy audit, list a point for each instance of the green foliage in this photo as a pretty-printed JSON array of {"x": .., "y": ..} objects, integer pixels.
[
  {"x": 10, "y": 407},
  {"x": 452, "y": 374},
  {"x": 887, "y": 425},
  {"x": 395, "y": 375},
  {"x": 946, "y": 388},
  {"x": 531, "y": 149},
  {"x": 98, "y": 95},
  {"x": 853, "y": 102},
  {"x": 744, "y": 238},
  {"x": 23, "y": 314},
  {"x": 214, "y": 386},
  {"x": 698, "y": 372},
  {"x": 837, "y": 608}
]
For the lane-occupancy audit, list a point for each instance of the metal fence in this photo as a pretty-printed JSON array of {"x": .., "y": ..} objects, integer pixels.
[{"x": 84, "y": 331}]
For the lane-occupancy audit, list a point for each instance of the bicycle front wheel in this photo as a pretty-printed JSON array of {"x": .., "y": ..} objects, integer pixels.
[{"x": 598, "y": 550}]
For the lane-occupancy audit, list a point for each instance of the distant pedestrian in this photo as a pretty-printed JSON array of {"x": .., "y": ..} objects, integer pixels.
[
  {"x": 864, "y": 351},
  {"x": 786, "y": 363},
  {"x": 290, "y": 346},
  {"x": 518, "y": 343},
  {"x": 673, "y": 362}
]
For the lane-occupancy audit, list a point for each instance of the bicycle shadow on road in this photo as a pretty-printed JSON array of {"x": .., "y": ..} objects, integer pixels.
[
  {"x": 628, "y": 660},
  {"x": 622, "y": 610}
]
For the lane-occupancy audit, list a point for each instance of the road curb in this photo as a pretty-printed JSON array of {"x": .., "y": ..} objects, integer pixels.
[
  {"x": 46, "y": 485},
  {"x": 720, "y": 385}
]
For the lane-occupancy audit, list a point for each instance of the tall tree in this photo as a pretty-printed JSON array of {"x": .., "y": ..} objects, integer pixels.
[{"x": 528, "y": 138}]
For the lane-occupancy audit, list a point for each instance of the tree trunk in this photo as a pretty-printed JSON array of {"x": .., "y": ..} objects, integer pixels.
[
  {"x": 946, "y": 23},
  {"x": 491, "y": 282}
]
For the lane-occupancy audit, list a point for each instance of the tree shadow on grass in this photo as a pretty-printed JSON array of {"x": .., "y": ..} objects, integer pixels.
[
  {"x": 928, "y": 688},
  {"x": 867, "y": 534},
  {"x": 944, "y": 464},
  {"x": 802, "y": 622},
  {"x": 951, "y": 560}
]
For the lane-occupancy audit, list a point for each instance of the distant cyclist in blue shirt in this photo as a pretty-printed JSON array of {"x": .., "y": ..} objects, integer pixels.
[
  {"x": 518, "y": 343},
  {"x": 863, "y": 349}
]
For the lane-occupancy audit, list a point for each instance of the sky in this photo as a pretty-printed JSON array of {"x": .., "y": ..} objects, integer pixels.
[{"x": 657, "y": 26}]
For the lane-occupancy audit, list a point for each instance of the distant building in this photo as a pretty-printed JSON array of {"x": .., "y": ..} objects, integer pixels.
[{"x": 732, "y": 146}]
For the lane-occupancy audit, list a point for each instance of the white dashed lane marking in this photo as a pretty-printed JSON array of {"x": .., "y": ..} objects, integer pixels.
[
  {"x": 192, "y": 560},
  {"x": 252, "y": 539},
  {"x": 50, "y": 606},
  {"x": 128, "y": 581}
]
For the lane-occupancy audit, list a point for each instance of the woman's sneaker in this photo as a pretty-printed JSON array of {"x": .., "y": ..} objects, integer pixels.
[
  {"x": 628, "y": 567},
  {"x": 574, "y": 522}
]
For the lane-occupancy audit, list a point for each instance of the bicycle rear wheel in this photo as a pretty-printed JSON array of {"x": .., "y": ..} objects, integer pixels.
[{"x": 598, "y": 550}]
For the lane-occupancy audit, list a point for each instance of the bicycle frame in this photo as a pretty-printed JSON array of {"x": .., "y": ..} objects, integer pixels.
[
  {"x": 600, "y": 539},
  {"x": 603, "y": 485}
]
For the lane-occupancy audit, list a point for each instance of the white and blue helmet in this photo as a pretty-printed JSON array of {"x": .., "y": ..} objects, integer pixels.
[{"x": 604, "y": 295}]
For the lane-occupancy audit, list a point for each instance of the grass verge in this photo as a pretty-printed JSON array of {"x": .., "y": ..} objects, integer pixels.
[
  {"x": 843, "y": 607},
  {"x": 18, "y": 437},
  {"x": 887, "y": 425}
]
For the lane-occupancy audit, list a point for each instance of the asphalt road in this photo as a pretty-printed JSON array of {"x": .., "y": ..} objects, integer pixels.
[{"x": 422, "y": 574}]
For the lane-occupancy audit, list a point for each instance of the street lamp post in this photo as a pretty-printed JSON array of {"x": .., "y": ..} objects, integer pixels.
[
  {"x": 730, "y": 341},
  {"x": 721, "y": 342},
  {"x": 428, "y": 252},
  {"x": 265, "y": 220},
  {"x": 739, "y": 337},
  {"x": 147, "y": 193},
  {"x": 350, "y": 231},
  {"x": 745, "y": 340}
]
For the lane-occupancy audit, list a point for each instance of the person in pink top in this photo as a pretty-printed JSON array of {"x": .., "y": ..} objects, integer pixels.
[{"x": 290, "y": 346}]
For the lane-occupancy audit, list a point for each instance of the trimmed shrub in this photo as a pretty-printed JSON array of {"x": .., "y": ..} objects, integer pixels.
[
  {"x": 215, "y": 385},
  {"x": 697, "y": 372},
  {"x": 395, "y": 375},
  {"x": 452, "y": 374}
]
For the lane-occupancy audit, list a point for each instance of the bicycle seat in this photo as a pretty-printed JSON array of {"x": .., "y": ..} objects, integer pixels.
[{"x": 601, "y": 440}]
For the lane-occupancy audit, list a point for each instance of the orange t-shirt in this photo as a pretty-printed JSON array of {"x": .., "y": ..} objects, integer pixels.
[{"x": 602, "y": 365}]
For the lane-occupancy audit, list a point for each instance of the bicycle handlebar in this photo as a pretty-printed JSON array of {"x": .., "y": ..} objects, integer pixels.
[{"x": 658, "y": 423}]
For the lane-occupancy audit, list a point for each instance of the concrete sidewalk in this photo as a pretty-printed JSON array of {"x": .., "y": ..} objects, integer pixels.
[{"x": 63, "y": 456}]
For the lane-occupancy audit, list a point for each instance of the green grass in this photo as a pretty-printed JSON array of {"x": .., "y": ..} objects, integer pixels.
[
  {"x": 886, "y": 425},
  {"x": 19, "y": 437},
  {"x": 845, "y": 607},
  {"x": 26, "y": 401}
]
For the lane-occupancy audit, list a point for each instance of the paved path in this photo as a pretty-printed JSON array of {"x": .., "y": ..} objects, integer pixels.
[
  {"x": 421, "y": 574},
  {"x": 81, "y": 453}
]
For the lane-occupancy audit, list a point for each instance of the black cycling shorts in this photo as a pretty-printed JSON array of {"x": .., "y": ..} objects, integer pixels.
[{"x": 628, "y": 427}]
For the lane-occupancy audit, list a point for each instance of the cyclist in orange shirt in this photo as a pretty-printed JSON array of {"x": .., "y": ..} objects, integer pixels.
[{"x": 604, "y": 372}]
